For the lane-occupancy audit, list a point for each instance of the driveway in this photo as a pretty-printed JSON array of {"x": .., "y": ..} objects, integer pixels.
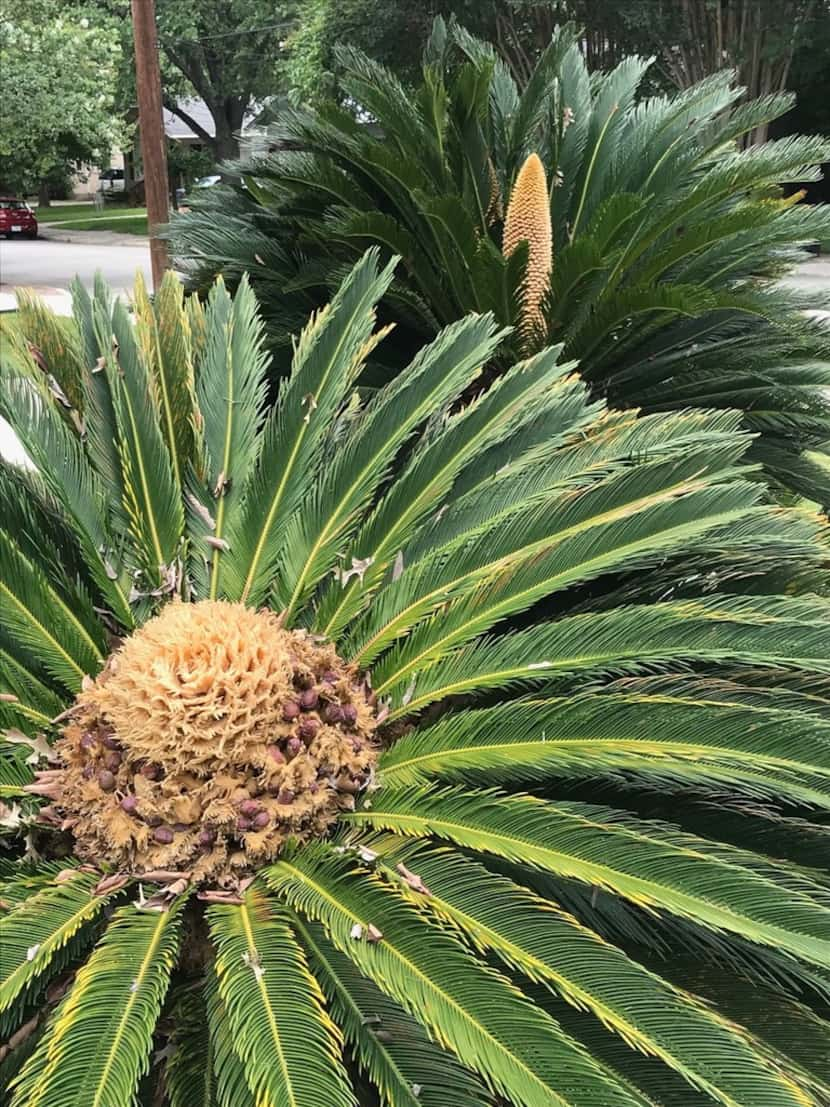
[{"x": 48, "y": 265}]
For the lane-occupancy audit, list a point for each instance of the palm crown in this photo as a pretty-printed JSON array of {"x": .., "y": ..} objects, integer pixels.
[
  {"x": 663, "y": 235},
  {"x": 525, "y": 666}
]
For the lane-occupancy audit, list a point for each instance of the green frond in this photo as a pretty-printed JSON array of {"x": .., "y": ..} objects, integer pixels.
[
  {"x": 152, "y": 494},
  {"x": 189, "y": 1075},
  {"x": 289, "y": 1046},
  {"x": 56, "y": 342},
  {"x": 231, "y": 1085},
  {"x": 15, "y": 774},
  {"x": 424, "y": 389},
  {"x": 465, "y": 1005},
  {"x": 93, "y": 315},
  {"x": 327, "y": 360},
  {"x": 648, "y": 862},
  {"x": 57, "y": 451},
  {"x": 21, "y": 878},
  {"x": 536, "y": 390},
  {"x": 549, "y": 946},
  {"x": 163, "y": 333},
  {"x": 230, "y": 386},
  {"x": 758, "y": 631},
  {"x": 788, "y": 1026},
  {"x": 30, "y": 703},
  {"x": 664, "y": 740},
  {"x": 390, "y": 1046},
  {"x": 34, "y": 933},
  {"x": 48, "y": 631},
  {"x": 98, "y": 1042}
]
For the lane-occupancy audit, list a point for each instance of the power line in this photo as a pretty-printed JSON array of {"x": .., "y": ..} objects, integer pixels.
[{"x": 226, "y": 34}]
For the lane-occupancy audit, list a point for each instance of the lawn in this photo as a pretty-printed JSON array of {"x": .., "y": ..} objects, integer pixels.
[{"x": 84, "y": 217}]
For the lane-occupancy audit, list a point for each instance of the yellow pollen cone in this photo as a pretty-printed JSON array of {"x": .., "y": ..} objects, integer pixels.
[{"x": 528, "y": 220}]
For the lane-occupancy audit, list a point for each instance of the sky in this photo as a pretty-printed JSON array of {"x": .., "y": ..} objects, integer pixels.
[{"x": 10, "y": 448}]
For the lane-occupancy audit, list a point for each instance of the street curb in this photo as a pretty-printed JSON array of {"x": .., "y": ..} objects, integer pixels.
[{"x": 92, "y": 238}]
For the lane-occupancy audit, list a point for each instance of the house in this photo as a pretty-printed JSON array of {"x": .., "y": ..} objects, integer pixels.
[{"x": 253, "y": 140}]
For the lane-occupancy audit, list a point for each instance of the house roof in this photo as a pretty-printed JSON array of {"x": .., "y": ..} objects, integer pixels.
[{"x": 176, "y": 128}]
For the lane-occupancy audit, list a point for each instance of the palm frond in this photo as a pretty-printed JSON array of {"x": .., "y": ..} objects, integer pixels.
[
  {"x": 165, "y": 342},
  {"x": 328, "y": 358},
  {"x": 189, "y": 1075},
  {"x": 51, "y": 633},
  {"x": 152, "y": 494},
  {"x": 466, "y": 1006},
  {"x": 645, "y": 861},
  {"x": 32, "y": 935},
  {"x": 230, "y": 385},
  {"x": 534, "y": 390},
  {"x": 231, "y": 1084},
  {"x": 402, "y": 1062},
  {"x": 757, "y": 631},
  {"x": 425, "y": 389},
  {"x": 97, "y": 1045},
  {"x": 551, "y": 947},
  {"x": 289, "y": 1046},
  {"x": 683, "y": 741}
]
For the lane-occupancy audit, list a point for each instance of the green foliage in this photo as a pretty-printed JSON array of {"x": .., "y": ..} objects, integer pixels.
[
  {"x": 667, "y": 238},
  {"x": 592, "y": 862},
  {"x": 57, "y": 69}
]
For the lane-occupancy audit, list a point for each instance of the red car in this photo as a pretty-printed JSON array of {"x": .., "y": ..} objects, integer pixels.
[{"x": 16, "y": 218}]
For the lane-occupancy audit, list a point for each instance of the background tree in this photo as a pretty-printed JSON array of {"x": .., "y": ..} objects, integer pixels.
[
  {"x": 57, "y": 88},
  {"x": 226, "y": 52}
]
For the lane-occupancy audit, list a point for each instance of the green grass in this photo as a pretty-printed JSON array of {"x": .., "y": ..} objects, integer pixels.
[{"x": 84, "y": 217}]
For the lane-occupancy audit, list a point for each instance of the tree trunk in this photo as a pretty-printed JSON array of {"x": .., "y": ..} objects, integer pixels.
[
  {"x": 43, "y": 198},
  {"x": 228, "y": 117}
]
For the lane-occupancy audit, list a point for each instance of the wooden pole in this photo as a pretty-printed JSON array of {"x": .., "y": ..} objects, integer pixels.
[{"x": 151, "y": 126}]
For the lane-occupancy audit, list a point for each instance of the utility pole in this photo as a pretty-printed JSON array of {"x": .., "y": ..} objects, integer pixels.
[{"x": 151, "y": 125}]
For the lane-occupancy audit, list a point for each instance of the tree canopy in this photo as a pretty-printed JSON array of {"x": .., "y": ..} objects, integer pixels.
[{"x": 57, "y": 87}]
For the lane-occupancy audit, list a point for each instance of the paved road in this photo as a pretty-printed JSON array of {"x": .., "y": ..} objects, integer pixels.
[{"x": 48, "y": 265}]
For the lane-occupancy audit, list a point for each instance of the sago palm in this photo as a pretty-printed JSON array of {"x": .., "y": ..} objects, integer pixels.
[
  {"x": 461, "y": 744},
  {"x": 666, "y": 239}
]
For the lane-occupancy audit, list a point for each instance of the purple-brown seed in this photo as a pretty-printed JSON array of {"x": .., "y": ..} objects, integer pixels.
[
  {"x": 243, "y": 824},
  {"x": 334, "y": 713},
  {"x": 349, "y": 714},
  {"x": 112, "y": 760},
  {"x": 293, "y": 746},
  {"x": 152, "y": 820},
  {"x": 163, "y": 835},
  {"x": 285, "y": 797},
  {"x": 89, "y": 741},
  {"x": 309, "y": 699},
  {"x": 207, "y": 837},
  {"x": 307, "y": 728},
  {"x": 249, "y": 808},
  {"x": 129, "y": 804},
  {"x": 88, "y": 772},
  {"x": 290, "y": 710},
  {"x": 151, "y": 771},
  {"x": 330, "y": 677},
  {"x": 262, "y": 820},
  {"x": 110, "y": 742},
  {"x": 106, "y": 780},
  {"x": 276, "y": 754}
]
